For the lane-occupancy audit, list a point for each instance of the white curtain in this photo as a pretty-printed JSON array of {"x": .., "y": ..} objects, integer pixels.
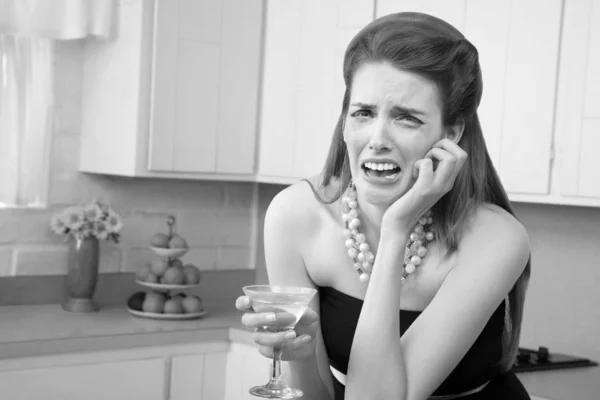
[{"x": 28, "y": 29}]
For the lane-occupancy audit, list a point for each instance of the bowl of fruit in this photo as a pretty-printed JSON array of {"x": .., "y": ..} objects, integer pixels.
[
  {"x": 164, "y": 306},
  {"x": 169, "y": 245}
]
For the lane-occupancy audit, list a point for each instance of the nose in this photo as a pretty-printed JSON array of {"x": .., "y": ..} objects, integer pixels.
[{"x": 380, "y": 139}]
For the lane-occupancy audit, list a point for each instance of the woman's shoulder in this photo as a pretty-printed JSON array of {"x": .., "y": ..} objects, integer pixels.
[
  {"x": 491, "y": 222},
  {"x": 302, "y": 204}
]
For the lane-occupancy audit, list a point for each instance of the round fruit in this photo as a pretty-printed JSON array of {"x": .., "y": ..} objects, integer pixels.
[
  {"x": 136, "y": 301},
  {"x": 174, "y": 276},
  {"x": 173, "y": 306},
  {"x": 192, "y": 304},
  {"x": 142, "y": 273},
  {"x": 179, "y": 296},
  {"x": 154, "y": 302},
  {"x": 159, "y": 266},
  {"x": 160, "y": 240},
  {"x": 151, "y": 278},
  {"x": 177, "y": 263},
  {"x": 177, "y": 242},
  {"x": 192, "y": 274}
]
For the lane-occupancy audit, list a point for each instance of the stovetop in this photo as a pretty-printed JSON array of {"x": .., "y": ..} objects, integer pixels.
[{"x": 542, "y": 359}]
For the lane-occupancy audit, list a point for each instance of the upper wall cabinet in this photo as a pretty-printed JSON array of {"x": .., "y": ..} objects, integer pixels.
[
  {"x": 302, "y": 83},
  {"x": 519, "y": 65},
  {"x": 577, "y": 180},
  {"x": 176, "y": 94}
]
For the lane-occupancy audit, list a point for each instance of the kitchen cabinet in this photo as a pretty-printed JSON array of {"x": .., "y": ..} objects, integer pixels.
[
  {"x": 302, "y": 83},
  {"x": 176, "y": 372},
  {"x": 577, "y": 178},
  {"x": 175, "y": 95},
  {"x": 519, "y": 67},
  {"x": 246, "y": 368}
]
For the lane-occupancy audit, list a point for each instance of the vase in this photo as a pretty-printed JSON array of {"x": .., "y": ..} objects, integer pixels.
[{"x": 82, "y": 275}]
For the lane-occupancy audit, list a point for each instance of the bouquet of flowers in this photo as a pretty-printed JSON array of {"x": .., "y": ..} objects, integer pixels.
[{"x": 95, "y": 219}]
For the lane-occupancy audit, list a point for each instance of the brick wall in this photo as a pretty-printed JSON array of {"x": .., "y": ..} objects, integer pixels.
[{"x": 217, "y": 219}]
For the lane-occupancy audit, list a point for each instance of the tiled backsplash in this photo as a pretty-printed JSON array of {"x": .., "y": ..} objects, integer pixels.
[{"x": 216, "y": 218}]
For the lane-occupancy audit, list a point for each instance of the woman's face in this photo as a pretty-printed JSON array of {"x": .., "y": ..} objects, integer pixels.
[{"x": 393, "y": 119}]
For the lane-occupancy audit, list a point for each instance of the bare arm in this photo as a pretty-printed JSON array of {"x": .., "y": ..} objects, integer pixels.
[
  {"x": 384, "y": 366},
  {"x": 286, "y": 220}
]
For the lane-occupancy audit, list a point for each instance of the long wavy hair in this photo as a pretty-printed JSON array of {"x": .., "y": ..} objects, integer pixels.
[{"x": 433, "y": 48}]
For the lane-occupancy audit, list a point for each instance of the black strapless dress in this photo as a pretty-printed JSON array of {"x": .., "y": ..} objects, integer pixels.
[{"x": 339, "y": 318}]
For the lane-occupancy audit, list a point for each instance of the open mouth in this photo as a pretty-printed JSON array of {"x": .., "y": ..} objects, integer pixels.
[{"x": 387, "y": 171}]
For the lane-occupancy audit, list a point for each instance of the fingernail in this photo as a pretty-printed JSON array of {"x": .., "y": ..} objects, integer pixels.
[
  {"x": 270, "y": 317},
  {"x": 290, "y": 335},
  {"x": 306, "y": 339},
  {"x": 247, "y": 301}
]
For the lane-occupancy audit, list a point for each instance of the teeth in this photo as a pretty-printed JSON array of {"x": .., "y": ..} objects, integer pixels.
[
  {"x": 391, "y": 177},
  {"x": 380, "y": 166}
]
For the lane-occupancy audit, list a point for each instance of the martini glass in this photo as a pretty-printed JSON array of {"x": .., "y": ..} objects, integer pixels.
[{"x": 271, "y": 298}]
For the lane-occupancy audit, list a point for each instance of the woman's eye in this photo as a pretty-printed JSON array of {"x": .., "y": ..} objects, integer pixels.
[
  {"x": 361, "y": 114},
  {"x": 410, "y": 120}
]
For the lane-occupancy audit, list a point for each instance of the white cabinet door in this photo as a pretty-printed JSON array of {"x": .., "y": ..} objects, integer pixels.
[
  {"x": 198, "y": 377},
  {"x": 205, "y": 85},
  {"x": 578, "y": 106},
  {"x": 245, "y": 368},
  {"x": 519, "y": 67},
  {"x": 303, "y": 85},
  {"x": 123, "y": 380}
]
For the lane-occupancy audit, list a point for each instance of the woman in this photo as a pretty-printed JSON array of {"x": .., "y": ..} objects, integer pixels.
[{"x": 408, "y": 234}]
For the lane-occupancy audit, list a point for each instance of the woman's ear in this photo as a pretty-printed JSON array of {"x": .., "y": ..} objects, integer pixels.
[{"x": 455, "y": 131}]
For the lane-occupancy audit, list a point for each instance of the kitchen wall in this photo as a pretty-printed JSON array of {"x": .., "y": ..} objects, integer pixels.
[
  {"x": 217, "y": 219},
  {"x": 561, "y": 308}
]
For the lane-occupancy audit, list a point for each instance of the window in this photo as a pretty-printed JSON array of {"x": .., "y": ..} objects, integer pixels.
[{"x": 26, "y": 76}]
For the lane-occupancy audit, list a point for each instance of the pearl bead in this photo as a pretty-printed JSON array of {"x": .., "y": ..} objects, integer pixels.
[
  {"x": 345, "y": 207},
  {"x": 354, "y": 223},
  {"x": 347, "y": 233},
  {"x": 418, "y": 243},
  {"x": 345, "y": 199},
  {"x": 410, "y": 268},
  {"x": 353, "y": 203},
  {"x": 360, "y": 238},
  {"x": 346, "y": 217},
  {"x": 370, "y": 256},
  {"x": 419, "y": 228},
  {"x": 352, "y": 195},
  {"x": 361, "y": 257},
  {"x": 364, "y": 277},
  {"x": 423, "y": 221},
  {"x": 429, "y": 236},
  {"x": 357, "y": 266},
  {"x": 421, "y": 251},
  {"x": 353, "y": 213},
  {"x": 367, "y": 266},
  {"x": 363, "y": 247},
  {"x": 429, "y": 220},
  {"x": 428, "y": 213},
  {"x": 354, "y": 232},
  {"x": 415, "y": 260},
  {"x": 352, "y": 252},
  {"x": 414, "y": 236},
  {"x": 350, "y": 243}
]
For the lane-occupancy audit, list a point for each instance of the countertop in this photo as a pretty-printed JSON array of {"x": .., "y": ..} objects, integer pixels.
[{"x": 48, "y": 329}]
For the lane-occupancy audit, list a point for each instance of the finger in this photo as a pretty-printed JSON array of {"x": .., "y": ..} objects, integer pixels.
[
  {"x": 256, "y": 320},
  {"x": 448, "y": 168},
  {"x": 243, "y": 303},
  {"x": 298, "y": 343},
  {"x": 451, "y": 147},
  {"x": 266, "y": 351},
  {"x": 423, "y": 171},
  {"x": 265, "y": 338},
  {"x": 309, "y": 317}
]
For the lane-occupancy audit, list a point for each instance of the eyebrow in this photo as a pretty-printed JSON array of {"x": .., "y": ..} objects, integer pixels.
[{"x": 406, "y": 110}]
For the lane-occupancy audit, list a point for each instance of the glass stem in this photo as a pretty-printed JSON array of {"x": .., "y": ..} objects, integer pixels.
[{"x": 276, "y": 382}]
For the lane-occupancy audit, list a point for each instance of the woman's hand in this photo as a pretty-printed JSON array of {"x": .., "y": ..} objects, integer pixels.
[
  {"x": 429, "y": 187},
  {"x": 299, "y": 343}
]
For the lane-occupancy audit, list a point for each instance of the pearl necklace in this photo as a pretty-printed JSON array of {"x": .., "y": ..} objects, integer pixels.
[{"x": 359, "y": 250}]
